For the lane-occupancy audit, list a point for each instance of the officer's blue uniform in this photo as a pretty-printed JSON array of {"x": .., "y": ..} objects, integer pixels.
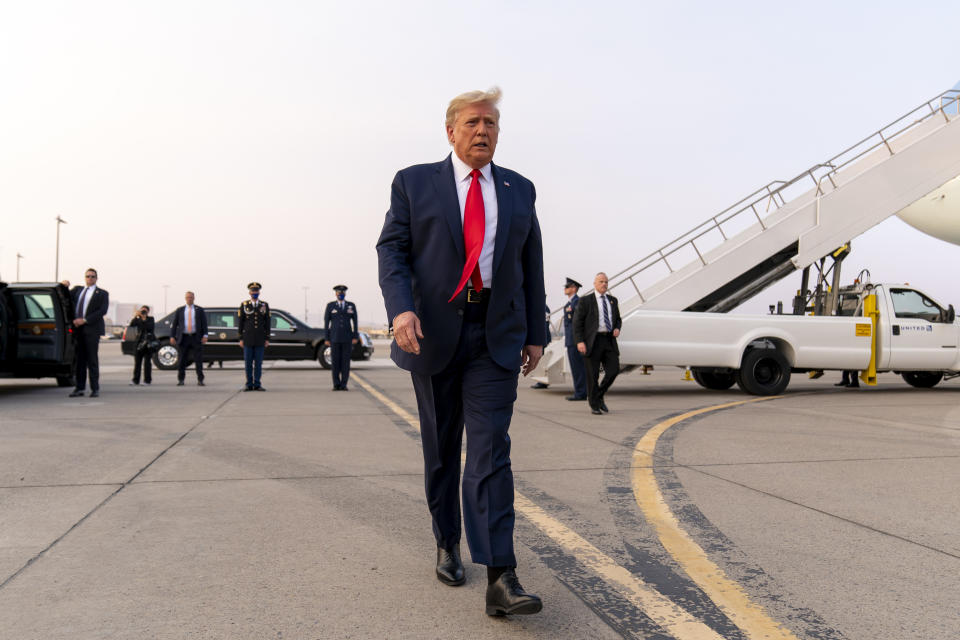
[
  {"x": 340, "y": 323},
  {"x": 576, "y": 360}
]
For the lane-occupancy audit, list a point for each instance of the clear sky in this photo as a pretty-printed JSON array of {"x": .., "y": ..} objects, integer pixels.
[{"x": 202, "y": 145}]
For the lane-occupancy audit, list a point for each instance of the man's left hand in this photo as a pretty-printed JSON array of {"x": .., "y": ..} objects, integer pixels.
[
  {"x": 203, "y": 340},
  {"x": 531, "y": 356},
  {"x": 356, "y": 340},
  {"x": 79, "y": 322},
  {"x": 266, "y": 343},
  {"x": 616, "y": 333}
]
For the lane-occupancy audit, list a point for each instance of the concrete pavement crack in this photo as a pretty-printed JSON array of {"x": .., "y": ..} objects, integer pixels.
[{"x": 110, "y": 497}]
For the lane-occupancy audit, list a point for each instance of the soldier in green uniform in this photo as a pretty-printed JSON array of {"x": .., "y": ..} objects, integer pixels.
[{"x": 254, "y": 329}]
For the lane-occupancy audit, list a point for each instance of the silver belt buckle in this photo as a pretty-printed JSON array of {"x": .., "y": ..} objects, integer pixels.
[{"x": 474, "y": 296}]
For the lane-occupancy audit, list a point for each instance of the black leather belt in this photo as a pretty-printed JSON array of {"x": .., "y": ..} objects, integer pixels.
[{"x": 478, "y": 297}]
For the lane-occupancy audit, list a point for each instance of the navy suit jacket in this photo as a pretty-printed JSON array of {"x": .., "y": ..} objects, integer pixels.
[
  {"x": 96, "y": 308},
  {"x": 180, "y": 323},
  {"x": 421, "y": 256}
]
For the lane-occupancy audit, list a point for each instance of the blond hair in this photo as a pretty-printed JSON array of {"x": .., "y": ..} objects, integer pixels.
[{"x": 491, "y": 96}]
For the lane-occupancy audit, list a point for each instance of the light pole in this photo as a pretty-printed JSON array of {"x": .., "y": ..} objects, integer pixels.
[
  {"x": 165, "y": 287},
  {"x": 306, "y": 317},
  {"x": 18, "y": 265},
  {"x": 56, "y": 274}
]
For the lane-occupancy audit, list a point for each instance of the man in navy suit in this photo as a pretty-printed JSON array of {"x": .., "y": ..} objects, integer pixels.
[
  {"x": 570, "y": 289},
  {"x": 461, "y": 270},
  {"x": 189, "y": 333},
  {"x": 90, "y": 304}
]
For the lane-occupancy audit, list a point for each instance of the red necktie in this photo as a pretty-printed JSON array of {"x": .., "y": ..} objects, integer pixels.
[{"x": 474, "y": 225}]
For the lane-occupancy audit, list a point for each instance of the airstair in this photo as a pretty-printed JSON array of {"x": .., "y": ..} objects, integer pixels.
[{"x": 789, "y": 225}]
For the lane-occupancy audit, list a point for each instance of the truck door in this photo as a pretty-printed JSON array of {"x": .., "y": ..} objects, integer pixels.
[
  {"x": 41, "y": 335},
  {"x": 920, "y": 337}
]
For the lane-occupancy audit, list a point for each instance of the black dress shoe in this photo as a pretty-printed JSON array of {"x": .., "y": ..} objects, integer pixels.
[
  {"x": 576, "y": 398},
  {"x": 842, "y": 383},
  {"x": 180, "y": 383},
  {"x": 539, "y": 385},
  {"x": 603, "y": 407},
  {"x": 506, "y": 597},
  {"x": 596, "y": 412},
  {"x": 259, "y": 389},
  {"x": 247, "y": 389},
  {"x": 200, "y": 383},
  {"x": 449, "y": 566},
  {"x": 853, "y": 385},
  {"x": 94, "y": 394},
  {"x": 76, "y": 393},
  {"x": 344, "y": 388}
]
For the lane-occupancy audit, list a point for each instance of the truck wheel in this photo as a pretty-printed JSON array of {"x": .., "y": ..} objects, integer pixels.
[
  {"x": 922, "y": 379},
  {"x": 323, "y": 356},
  {"x": 166, "y": 357},
  {"x": 713, "y": 380},
  {"x": 763, "y": 372},
  {"x": 66, "y": 381}
]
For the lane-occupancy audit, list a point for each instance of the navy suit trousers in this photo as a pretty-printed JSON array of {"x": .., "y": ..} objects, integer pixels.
[
  {"x": 340, "y": 363},
  {"x": 578, "y": 372},
  {"x": 87, "y": 341},
  {"x": 475, "y": 393}
]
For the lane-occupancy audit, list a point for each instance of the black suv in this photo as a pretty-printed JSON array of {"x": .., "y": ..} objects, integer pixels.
[
  {"x": 290, "y": 339},
  {"x": 36, "y": 330}
]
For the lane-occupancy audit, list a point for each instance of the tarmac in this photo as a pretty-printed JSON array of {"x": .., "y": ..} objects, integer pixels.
[{"x": 203, "y": 512}]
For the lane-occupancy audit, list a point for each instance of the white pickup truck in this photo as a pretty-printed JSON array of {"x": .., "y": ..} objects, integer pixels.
[{"x": 884, "y": 327}]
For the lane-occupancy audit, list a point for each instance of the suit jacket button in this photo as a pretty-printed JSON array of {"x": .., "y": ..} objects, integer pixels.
[{"x": 459, "y": 312}]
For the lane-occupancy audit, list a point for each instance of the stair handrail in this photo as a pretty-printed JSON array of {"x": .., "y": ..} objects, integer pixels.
[{"x": 772, "y": 192}]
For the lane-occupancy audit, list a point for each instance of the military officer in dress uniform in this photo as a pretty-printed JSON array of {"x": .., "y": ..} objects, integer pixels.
[
  {"x": 570, "y": 289},
  {"x": 342, "y": 332},
  {"x": 254, "y": 329}
]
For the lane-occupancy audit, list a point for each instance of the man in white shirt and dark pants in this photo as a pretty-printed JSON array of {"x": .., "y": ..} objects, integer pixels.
[
  {"x": 189, "y": 333},
  {"x": 90, "y": 304},
  {"x": 596, "y": 325}
]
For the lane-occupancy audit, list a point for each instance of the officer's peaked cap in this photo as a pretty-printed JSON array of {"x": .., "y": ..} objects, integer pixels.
[
  {"x": 573, "y": 283},
  {"x": 254, "y": 285},
  {"x": 340, "y": 287}
]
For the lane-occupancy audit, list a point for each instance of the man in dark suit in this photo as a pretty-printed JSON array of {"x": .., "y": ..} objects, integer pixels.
[
  {"x": 189, "y": 333},
  {"x": 90, "y": 304},
  {"x": 577, "y": 371},
  {"x": 459, "y": 220},
  {"x": 342, "y": 331},
  {"x": 596, "y": 325}
]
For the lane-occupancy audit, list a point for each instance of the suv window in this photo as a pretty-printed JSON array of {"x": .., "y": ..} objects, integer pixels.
[
  {"x": 279, "y": 322},
  {"x": 222, "y": 319},
  {"x": 908, "y": 303},
  {"x": 34, "y": 306}
]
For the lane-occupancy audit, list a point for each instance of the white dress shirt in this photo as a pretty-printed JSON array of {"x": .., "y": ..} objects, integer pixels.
[
  {"x": 601, "y": 301},
  {"x": 461, "y": 173},
  {"x": 86, "y": 300}
]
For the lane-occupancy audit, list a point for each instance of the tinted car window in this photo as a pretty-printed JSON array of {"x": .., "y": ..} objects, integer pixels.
[
  {"x": 222, "y": 319},
  {"x": 279, "y": 322},
  {"x": 34, "y": 306}
]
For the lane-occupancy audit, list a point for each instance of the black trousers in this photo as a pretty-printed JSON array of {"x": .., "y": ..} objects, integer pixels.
[
  {"x": 340, "y": 363},
  {"x": 475, "y": 393},
  {"x": 190, "y": 344},
  {"x": 88, "y": 357},
  {"x": 142, "y": 359},
  {"x": 603, "y": 353}
]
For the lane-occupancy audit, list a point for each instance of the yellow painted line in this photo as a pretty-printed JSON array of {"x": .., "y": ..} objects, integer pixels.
[
  {"x": 672, "y": 618},
  {"x": 729, "y": 596}
]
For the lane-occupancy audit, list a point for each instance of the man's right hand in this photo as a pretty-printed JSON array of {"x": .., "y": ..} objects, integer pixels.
[
  {"x": 582, "y": 347},
  {"x": 173, "y": 341},
  {"x": 406, "y": 330},
  {"x": 241, "y": 344}
]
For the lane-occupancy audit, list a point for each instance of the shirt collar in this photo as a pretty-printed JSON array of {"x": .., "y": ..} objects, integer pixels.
[
  {"x": 461, "y": 170},
  {"x": 598, "y": 294}
]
